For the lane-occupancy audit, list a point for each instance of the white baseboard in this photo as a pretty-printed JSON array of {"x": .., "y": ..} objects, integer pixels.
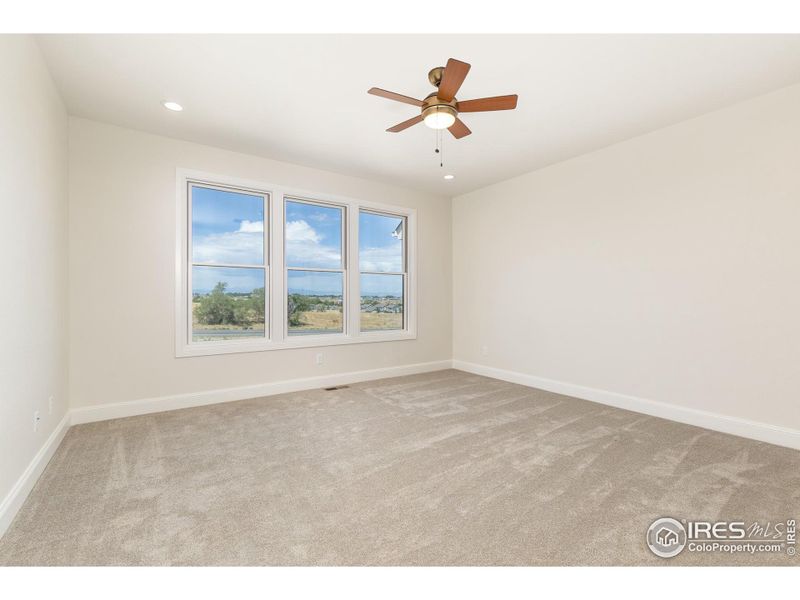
[
  {"x": 103, "y": 412},
  {"x": 755, "y": 430},
  {"x": 16, "y": 497}
]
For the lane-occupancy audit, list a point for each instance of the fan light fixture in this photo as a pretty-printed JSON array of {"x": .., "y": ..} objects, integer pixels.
[{"x": 439, "y": 116}]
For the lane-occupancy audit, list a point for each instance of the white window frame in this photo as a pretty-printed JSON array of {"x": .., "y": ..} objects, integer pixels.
[
  {"x": 404, "y": 273},
  {"x": 276, "y": 327},
  {"x": 343, "y": 270}
]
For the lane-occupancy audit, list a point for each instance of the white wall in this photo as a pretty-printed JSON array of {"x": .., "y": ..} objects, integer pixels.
[
  {"x": 33, "y": 246},
  {"x": 122, "y": 269},
  {"x": 666, "y": 267}
]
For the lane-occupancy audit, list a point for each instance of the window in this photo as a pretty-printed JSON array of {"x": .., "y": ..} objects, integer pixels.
[
  {"x": 228, "y": 277},
  {"x": 314, "y": 258},
  {"x": 382, "y": 266},
  {"x": 260, "y": 267}
]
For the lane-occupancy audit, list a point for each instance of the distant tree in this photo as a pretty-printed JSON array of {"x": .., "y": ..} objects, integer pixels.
[
  {"x": 298, "y": 303},
  {"x": 257, "y": 302},
  {"x": 216, "y": 308}
]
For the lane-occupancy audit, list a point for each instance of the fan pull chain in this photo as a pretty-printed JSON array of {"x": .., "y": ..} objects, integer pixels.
[{"x": 439, "y": 146}]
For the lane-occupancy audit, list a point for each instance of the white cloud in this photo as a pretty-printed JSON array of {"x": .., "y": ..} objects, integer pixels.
[
  {"x": 300, "y": 231},
  {"x": 234, "y": 247},
  {"x": 323, "y": 217},
  {"x": 304, "y": 248},
  {"x": 251, "y": 226},
  {"x": 383, "y": 258}
]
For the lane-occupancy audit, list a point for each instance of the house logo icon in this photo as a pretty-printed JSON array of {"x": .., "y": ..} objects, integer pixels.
[{"x": 666, "y": 537}]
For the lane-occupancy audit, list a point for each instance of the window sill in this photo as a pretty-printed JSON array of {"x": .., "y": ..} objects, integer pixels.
[{"x": 309, "y": 341}]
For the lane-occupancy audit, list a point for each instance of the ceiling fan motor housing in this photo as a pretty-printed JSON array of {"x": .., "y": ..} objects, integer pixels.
[
  {"x": 433, "y": 104},
  {"x": 435, "y": 76}
]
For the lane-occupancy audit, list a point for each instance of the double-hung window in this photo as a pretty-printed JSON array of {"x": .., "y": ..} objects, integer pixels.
[
  {"x": 228, "y": 276},
  {"x": 260, "y": 267},
  {"x": 382, "y": 266},
  {"x": 314, "y": 255}
]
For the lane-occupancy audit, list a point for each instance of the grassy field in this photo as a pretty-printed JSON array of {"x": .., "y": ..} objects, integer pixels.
[
  {"x": 319, "y": 320},
  {"x": 377, "y": 321},
  {"x": 332, "y": 321}
]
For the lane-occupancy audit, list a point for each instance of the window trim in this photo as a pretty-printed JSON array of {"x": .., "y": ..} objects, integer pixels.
[
  {"x": 265, "y": 265},
  {"x": 404, "y": 273},
  {"x": 276, "y": 325},
  {"x": 344, "y": 270}
]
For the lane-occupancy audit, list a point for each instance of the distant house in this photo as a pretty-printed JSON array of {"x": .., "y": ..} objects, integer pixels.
[{"x": 398, "y": 233}]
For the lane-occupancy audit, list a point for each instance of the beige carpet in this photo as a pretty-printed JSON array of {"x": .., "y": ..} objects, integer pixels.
[{"x": 445, "y": 468}]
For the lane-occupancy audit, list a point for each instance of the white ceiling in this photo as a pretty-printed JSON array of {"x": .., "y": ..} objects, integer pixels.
[{"x": 302, "y": 98}]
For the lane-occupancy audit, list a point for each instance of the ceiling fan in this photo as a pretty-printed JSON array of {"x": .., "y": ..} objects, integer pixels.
[{"x": 440, "y": 109}]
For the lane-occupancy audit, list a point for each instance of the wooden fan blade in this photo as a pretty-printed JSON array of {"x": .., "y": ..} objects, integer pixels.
[
  {"x": 394, "y": 96},
  {"x": 486, "y": 104},
  {"x": 405, "y": 124},
  {"x": 458, "y": 129},
  {"x": 454, "y": 74}
]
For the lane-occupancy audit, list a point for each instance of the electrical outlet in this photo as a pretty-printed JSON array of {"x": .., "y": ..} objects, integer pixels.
[
  {"x": 320, "y": 360},
  {"x": 50, "y": 405},
  {"x": 36, "y": 419},
  {"x": 485, "y": 350}
]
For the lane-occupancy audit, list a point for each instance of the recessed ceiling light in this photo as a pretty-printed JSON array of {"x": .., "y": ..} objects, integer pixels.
[
  {"x": 174, "y": 106},
  {"x": 449, "y": 177}
]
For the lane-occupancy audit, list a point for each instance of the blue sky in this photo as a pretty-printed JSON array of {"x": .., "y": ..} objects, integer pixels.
[
  {"x": 313, "y": 236},
  {"x": 228, "y": 228},
  {"x": 239, "y": 280},
  {"x": 382, "y": 285},
  {"x": 378, "y": 249},
  {"x": 314, "y": 283},
  {"x": 314, "y": 240}
]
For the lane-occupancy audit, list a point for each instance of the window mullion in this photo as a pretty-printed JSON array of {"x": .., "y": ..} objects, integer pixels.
[
  {"x": 278, "y": 273},
  {"x": 354, "y": 278}
]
